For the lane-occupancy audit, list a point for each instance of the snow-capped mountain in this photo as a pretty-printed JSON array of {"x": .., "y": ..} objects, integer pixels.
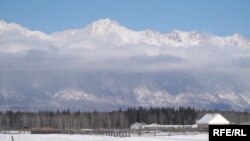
[
  {"x": 106, "y": 91},
  {"x": 108, "y": 66},
  {"x": 108, "y": 30},
  {"x": 112, "y": 32}
]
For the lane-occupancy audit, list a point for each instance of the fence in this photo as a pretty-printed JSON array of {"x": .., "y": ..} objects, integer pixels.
[
  {"x": 114, "y": 133},
  {"x": 110, "y": 132},
  {"x": 15, "y": 131}
]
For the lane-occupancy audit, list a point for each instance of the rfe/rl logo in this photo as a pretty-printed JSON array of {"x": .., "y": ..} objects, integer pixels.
[{"x": 228, "y": 132}]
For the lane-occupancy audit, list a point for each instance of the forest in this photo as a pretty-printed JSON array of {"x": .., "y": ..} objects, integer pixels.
[{"x": 118, "y": 119}]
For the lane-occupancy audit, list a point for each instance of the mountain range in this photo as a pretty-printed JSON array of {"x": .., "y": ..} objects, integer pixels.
[{"x": 105, "y": 66}]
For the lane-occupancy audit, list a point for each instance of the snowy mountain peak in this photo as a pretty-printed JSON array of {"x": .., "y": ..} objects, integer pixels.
[
  {"x": 192, "y": 35},
  {"x": 104, "y": 27},
  {"x": 236, "y": 40},
  {"x": 186, "y": 39},
  {"x": 104, "y": 22},
  {"x": 111, "y": 31}
]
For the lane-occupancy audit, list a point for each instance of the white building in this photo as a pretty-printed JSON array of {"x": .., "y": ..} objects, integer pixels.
[
  {"x": 137, "y": 126},
  {"x": 212, "y": 119}
]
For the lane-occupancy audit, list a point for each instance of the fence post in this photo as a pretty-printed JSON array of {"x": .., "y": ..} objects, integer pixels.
[{"x": 12, "y": 138}]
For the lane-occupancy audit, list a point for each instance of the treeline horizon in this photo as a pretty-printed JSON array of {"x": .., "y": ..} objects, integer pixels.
[{"x": 116, "y": 119}]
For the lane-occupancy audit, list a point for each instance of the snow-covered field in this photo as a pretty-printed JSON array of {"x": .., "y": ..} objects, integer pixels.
[{"x": 57, "y": 137}]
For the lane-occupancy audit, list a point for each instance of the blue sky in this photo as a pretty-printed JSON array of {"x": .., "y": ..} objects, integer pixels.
[{"x": 220, "y": 17}]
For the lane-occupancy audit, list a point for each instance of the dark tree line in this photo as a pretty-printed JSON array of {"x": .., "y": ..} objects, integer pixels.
[{"x": 108, "y": 120}]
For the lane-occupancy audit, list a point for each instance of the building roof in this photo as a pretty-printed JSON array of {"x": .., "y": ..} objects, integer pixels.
[
  {"x": 137, "y": 123},
  {"x": 207, "y": 118},
  {"x": 215, "y": 118}
]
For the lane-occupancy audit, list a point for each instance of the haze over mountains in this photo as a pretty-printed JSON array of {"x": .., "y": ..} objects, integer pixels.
[{"x": 107, "y": 66}]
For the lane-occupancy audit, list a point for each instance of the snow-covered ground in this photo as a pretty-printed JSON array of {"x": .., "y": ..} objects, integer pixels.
[{"x": 55, "y": 137}]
